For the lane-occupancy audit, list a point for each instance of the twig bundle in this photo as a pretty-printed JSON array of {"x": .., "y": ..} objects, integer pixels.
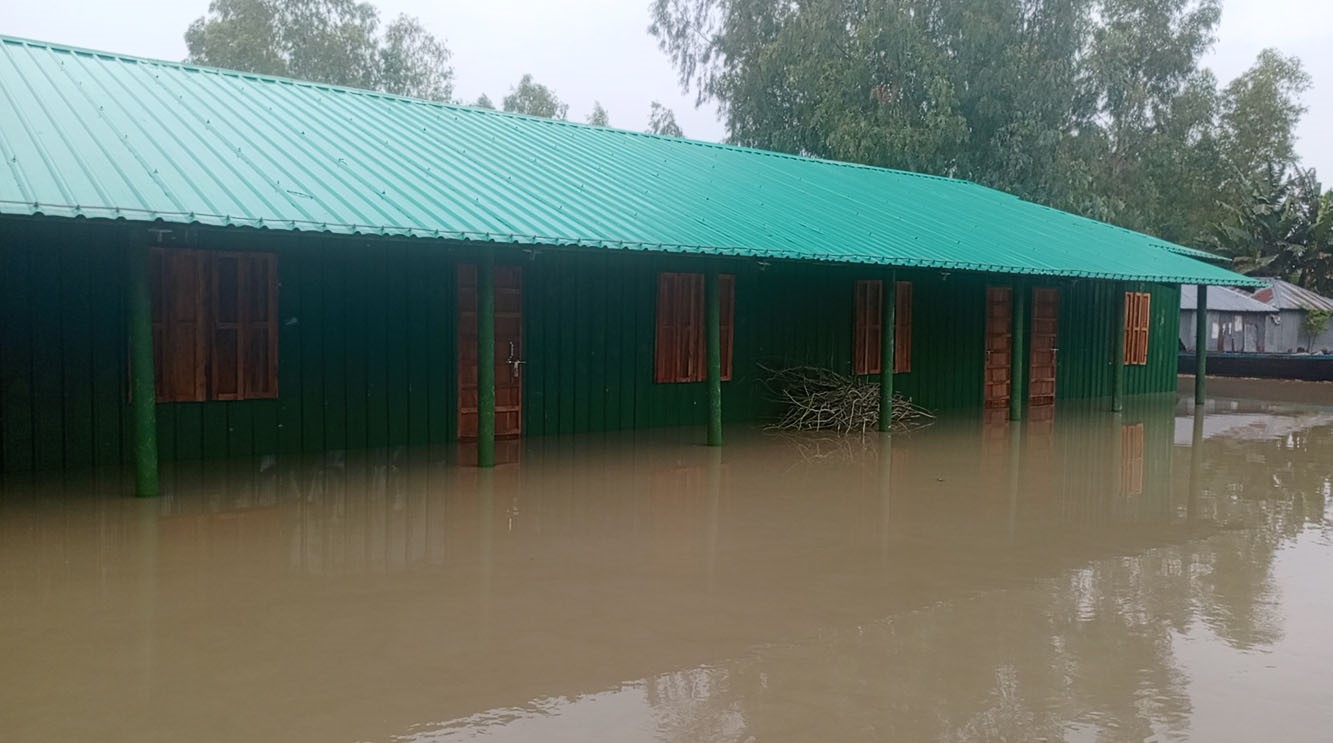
[{"x": 816, "y": 399}]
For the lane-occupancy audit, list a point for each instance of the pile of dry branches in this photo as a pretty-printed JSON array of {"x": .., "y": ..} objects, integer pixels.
[{"x": 816, "y": 399}]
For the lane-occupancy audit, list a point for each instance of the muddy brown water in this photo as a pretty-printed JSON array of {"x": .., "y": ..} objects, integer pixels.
[{"x": 1090, "y": 579}]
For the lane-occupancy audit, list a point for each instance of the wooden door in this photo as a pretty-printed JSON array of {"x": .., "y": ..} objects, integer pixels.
[
  {"x": 999, "y": 345},
  {"x": 508, "y": 351},
  {"x": 1045, "y": 333}
]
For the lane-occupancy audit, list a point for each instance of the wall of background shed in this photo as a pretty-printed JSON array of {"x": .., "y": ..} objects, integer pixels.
[
  {"x": 366, "y": 343},
  {"x": 1290, "y": 334}
]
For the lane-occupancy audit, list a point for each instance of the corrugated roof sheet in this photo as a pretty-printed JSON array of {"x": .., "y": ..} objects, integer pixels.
[
  {"x": 1285, "y": 295},
  {"x": 1223, "y": 299},
  {"x": 101, "y": 135}
]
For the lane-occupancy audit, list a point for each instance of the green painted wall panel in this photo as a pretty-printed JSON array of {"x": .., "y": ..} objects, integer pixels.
[
  {"x": 47, "y": 362},
  {"x": 108, "y": 352},
  {"x": 367, "y": 344},
  {"x": 291, "y": 336},
  {"x": 1160, "y": 372},
  {"x": 16, "y": 398},
  {"x": 76, "y": 320}
]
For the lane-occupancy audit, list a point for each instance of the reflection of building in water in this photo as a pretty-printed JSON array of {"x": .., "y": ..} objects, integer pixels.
[{"x": 928, "y": 594}]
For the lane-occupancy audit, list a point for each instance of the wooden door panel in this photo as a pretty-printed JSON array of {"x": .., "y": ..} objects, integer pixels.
[
  {"x": 1045, "y": 336},
  {"x": 508, "y": 340},
  {"x": 999, "y": 345}
]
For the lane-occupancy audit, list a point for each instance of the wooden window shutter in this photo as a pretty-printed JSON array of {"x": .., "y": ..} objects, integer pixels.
[
  {"x": 902, "y": 328},
  {"x": 1137, "y": 319},
  {"x": 259, "y": 332},
  {"x": 179, "y": 324},
  {"x": 867, "y": 327},
  {"x": 225, "y": 336},
  {"x": 680, "y": 353},
  {"x": 1145, "y": 318},
  {"x": 673, "y": 339}
]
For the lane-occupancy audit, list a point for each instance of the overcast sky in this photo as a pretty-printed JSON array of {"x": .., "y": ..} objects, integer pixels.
[{"x": 600, "y": 50}]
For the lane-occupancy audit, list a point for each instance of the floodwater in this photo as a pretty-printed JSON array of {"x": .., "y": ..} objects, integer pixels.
[{"x": 1091, "y": 579}]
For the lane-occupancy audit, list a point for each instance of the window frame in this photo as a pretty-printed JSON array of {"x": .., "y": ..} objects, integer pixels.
[
  {"x": 1138, "y": 326},
  {"x": 868, "y": 323},
  {"x": 196, "y": 304},
  {"x": 680, "y": 336}
]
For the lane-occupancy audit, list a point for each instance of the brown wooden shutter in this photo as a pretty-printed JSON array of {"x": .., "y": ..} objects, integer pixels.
[
  {"x": 902, "y": 328},
  {"x": 690, "y": 305},
  {"x": 1137, "y": 318},
  {"x": 680, "y": 353},
  {"x": 1131, "y": 308},
  {"x": 868, "y": 323},
  {"x": 225, "y": 337},
  {"x": 1145, "y": 317},
  {"x": 259, "y": 332},
  {"x": 179, "y": 324},
  {"x": 667, "y": 344}
]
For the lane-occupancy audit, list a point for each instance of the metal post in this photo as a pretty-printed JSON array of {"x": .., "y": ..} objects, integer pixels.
[
  {"x": 1118, "y": 362},
  {"x": 1201, "y": 344},
  {"x": 1018, "y": 362},
  {"x": 713, "y": 322},
  {"x": 486, "y": 361},
  {"x": 889, "y": 299},
  {"x": 142, "y": 387}
]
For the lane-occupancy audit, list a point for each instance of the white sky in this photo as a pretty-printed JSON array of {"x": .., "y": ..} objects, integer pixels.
[{"x": 600, "y": 50}]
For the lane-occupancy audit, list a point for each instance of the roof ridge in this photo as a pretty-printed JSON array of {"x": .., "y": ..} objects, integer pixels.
[{"x": 457, "y": 107}]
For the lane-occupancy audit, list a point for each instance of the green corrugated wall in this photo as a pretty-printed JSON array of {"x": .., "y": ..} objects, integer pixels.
[{"x": 366, "y": 343}]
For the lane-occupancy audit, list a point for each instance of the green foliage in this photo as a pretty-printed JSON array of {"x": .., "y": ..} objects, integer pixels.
[
  {"x": 1100, "y": 107},
  {"x": 326, "y": 41},
  {"x": 1280, "y": 225},
  {"x": 484, "y": 101},
  {"x": 534, "y": 99},
  {"x": 662, "y": 120},
  {"x": 1261, "y": 110},
  {"x": 598, "y": 117},
  {"x": 1316, "y": 321}
]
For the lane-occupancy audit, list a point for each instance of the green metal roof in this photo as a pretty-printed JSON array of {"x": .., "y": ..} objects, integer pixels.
[{"x": 91, "y": 134}]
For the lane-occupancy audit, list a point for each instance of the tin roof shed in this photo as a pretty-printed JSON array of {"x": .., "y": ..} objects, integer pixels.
[
  {"x": 1223, "y": 299},
  {"x": 1284, "y": 295}
]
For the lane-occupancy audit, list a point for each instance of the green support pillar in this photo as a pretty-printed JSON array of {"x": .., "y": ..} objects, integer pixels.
[
  {"x": 142, "y": 388},
  {"x": 486, "y": 361},
  {"x": 1019, "y": 361},
  {"x": 1118, "y": 362},
  {"x": 1201, "y": 345},
  {"x": 713, "y": 322},
  {"x": 886, "y": 348}
]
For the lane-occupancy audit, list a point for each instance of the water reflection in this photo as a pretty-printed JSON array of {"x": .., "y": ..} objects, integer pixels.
[{"x": 1075, "y": 578}]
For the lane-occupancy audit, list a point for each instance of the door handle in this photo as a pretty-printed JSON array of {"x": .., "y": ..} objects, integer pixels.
[{"x": 514, "y": 362}]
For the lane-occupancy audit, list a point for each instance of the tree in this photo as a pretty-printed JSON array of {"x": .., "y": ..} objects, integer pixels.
[
  {"x": 534, "y": 99},
  {"x": 1283, "y": 227},
  {"x": 662, "y": 120},
  {"x": 324, "y": 41},
  {"x": 598, "y": 117},
  {"x": 412, "y": 62},
  {"x": 1260, "y": 111},
  {"x": 1100, "y": 107},
  {"x": 484, "y": 101}
]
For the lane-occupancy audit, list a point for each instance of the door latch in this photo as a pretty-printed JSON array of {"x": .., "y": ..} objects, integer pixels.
[{"x": 515, "y": 363}]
